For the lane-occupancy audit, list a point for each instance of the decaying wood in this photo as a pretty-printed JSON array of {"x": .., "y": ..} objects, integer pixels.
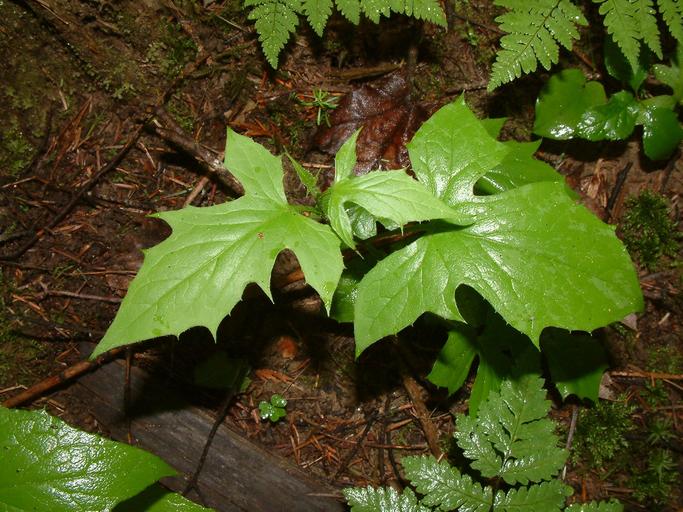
[{"x": 237, "y": 475}]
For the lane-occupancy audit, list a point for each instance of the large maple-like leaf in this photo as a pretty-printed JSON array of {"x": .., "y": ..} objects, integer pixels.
[
  {"x": 535, "y": 255},
  {"x": 197, "y": 275}
]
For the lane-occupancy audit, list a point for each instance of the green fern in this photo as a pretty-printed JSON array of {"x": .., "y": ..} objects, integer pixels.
[
  {"x": 672, "y": 14},
  {"x": 511, "y": 438},
  {"x": 647, "y": 20},
  {"x": 534, "y": 30},
  {"x": 622, "y": 23},
  {"x": 276, "y": 20}
]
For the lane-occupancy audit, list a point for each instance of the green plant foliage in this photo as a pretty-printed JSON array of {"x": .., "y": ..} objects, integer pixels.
[
  {"x": 570, "y": 107},
  {"x": 512, "y": 439},
  {"x": 518, "y": 253},
  {"x": 601, "y": 432},
  {"x": 157, "y": 498},
  {"x": 672, "y": 14},
  {"x": 511, "y": 436},
  {"x": 273, "y": 410},
  {"x": 648, "y": 231},
  {"x": 533, "y": 31},
  {"x": 48, "y": 465},
  {"x": 672, "y": 76},
  {"x": 197, "y": 275},
  {"x": 622, "y": 21},
  {"x": 276, "y": 20}
]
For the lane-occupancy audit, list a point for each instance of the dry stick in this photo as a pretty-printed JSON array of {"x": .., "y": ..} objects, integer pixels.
[
  {"x": 423, "y": 415},
  {"x": 570, "y": 436},
  {"x": 347, "y": 460},
  {"x": 646, "y": 375},
  {"x": 84, "y": 296},
  {"x": 616, "y": 192},
  {"x": 53, "y": 381}
]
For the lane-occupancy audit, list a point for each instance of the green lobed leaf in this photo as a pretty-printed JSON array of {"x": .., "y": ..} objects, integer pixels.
[
  {"x": 385, "y": 195},
  {"x": 307, "y": 179},
  {"x": 48, "y": 465},
  {"x": 662, "y": 132},
  {"x": 576, "y": 363},
  {"x": 546, "y": 496},
  {"x": 602, "y": 506},
  {"x": 157, "y": 498},
  {"x": 536, "y": 256},
  {"x": 511, "y": 436},
  {"x": 275, "y": 21},
  {"x": 453, "y": 363},
  {"x": 562, "y": 103},
  {"x": 615, "y": 120},
  {"x": 197, "y": 275},
  {"x": 370, "y": 499},
  {"x": 317, "y": 12},
  {"x": 518, "y": 168},
  {"x": 345, "y": 159},
  {"x": 621, "y": 22},
  {"x": 444, "y": 487}
]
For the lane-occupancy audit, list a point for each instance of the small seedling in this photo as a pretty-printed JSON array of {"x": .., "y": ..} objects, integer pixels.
[
  {"x": 273, "y": 410},
  {"x": 323, "y": 101}
]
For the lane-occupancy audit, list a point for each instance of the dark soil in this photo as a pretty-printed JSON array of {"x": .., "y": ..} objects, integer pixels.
[{"x": 80, "y": 77}]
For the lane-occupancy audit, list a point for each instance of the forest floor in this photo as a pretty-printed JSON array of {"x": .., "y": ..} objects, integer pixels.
[{"x": 82, "y": 79}]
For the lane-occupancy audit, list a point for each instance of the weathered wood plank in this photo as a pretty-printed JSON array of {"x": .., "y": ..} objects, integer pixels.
[{"x": 238, "y": 475}]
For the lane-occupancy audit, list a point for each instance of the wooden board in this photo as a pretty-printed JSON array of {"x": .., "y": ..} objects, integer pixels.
[{"x": 238, "y": 475}]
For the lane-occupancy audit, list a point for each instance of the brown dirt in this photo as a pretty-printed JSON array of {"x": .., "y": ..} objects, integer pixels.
[{"x": 81, "y": 76}]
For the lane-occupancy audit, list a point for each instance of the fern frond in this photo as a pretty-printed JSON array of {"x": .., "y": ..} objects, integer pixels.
[
  {"x": 373, "y": 9},
  {"x": 317, "y": 13},
  {"x": 370, "y": 499},
  {"x": 649, "y": 32},
  {"x": 547, "y": 496},
  {"x": 275, "y": 21},
  {"x": 511, "y": 436},
  {"x": 621, "y": 22},
  {"x": 534, "y": 30},
  {"x": 445, "y": 487},
  {"x": 672, "y": 13},
  {"x": 428, "y": 10},
  {"x": 603, "y": 506},
  {"x": 350, "y": 9}
]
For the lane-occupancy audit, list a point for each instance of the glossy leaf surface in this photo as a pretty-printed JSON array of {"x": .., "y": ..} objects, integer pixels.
[
  {"x": 370, "y": 499},
  {"x": 48, "y": 465},
  {"x": 197, "y": 275},
  {"x": 157, "y": 498}
]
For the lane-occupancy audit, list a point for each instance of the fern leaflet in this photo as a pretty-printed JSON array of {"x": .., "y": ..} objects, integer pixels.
[
  {"x": 547, "y": 496},
  {"x": 350, "y": 9},
  {"x": 317, "y": 12},
  {"x": 534, "y": 30},
  {"x": 646, "y": 16},
  {"x": 428, "y": 10},
  {"x": 275, "y": 21},
  {"x": 622, "y": 23},
  {"x": 382, "y": 500},
  {"x": 672, "y": 13}
]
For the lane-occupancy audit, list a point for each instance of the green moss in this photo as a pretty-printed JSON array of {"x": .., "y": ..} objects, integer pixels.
[
  {"x": 647, "y": 229},
  {"x": 172, "y": 51},
  {"x": 16, "y": 151}
]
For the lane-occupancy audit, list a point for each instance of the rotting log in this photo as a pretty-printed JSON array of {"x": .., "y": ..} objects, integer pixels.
[{"x": 238, "y": 475}]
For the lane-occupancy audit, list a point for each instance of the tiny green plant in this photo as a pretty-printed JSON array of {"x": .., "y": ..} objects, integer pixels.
[
  {"x": 273, "y": 410},
  {"x": 512, "y": 441},
  {"x": 648, "y": 230},
  {"x": 323, "y": 101}
]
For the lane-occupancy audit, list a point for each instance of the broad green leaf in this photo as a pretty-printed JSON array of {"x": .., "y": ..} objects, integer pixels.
[
  {"x": 159, "y": 499},
  {"x": 345, "y": 295},
  {"x": 444, "y": 487},
  {"x": 602, "y": 506},
  {"x": 576, "y": 363},
  {"x": 536, "y": 256},
  {"x": 345, "y": 159},
  {"x": 317, "y": 12},
  {"x": 307, "y": 179},
  {"x": 197, "y": 275},
  {"x": 662, "y": 132},
  {"x": 453, "y": 363},
  {"x": 370, "y": 499},
  {"x": 546, "y": 496},
  {"x": 48, "y": 465},
  {"x": 385, "y": 195},
  {"x": 511, "y": 436},
  {"x": 672, "y": 75},
  {"x": 615, "y": 120},
  {"x": 518, "y": 167},
  {"x": 563, "y": 101},
  {"x": 451, "y": 151},
  {"x": 493, "y": 125}
]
